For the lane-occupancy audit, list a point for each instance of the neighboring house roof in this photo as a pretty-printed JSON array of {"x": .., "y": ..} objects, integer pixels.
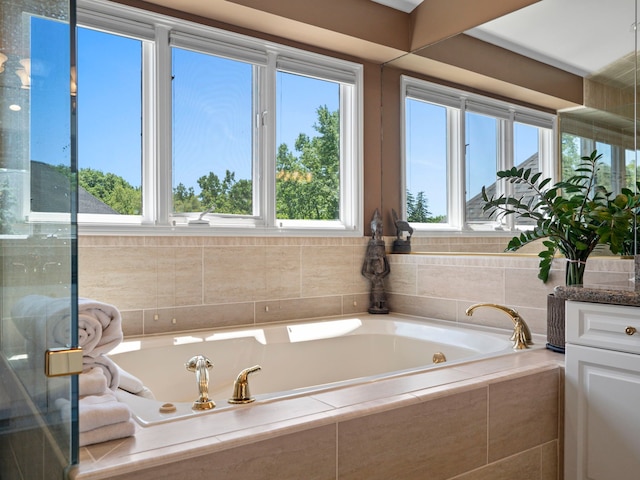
[
  {"x": 50, "y": 192},
  {"x": 474, "y": 204}
]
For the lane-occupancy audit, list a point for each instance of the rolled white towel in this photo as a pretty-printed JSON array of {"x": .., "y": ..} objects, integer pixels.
[
  {"x": 99, "y": 327},
  {"x": 99, "y": 324},
  {"x": 108, "y": 367},
  {"x": 92, "y": 382}
]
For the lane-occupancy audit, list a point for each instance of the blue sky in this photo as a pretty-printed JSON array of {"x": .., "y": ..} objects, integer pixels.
[
  {"x": 212, "y": 110},
  {"x": 49, "y": 97}
]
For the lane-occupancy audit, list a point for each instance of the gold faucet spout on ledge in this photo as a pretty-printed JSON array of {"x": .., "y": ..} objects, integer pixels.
[{"x": 521, "y": 334}]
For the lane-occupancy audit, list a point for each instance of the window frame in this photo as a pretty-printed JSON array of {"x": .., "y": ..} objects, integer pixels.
[
  {"x": 159, "y": 35},
  {"x": 458, "y": 103}
]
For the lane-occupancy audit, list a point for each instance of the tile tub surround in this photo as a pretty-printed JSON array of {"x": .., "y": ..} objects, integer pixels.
[
  {"x": 443, "y": 286},
  {"x": 166, "y": 284},
  {"x": 496, "y": 419},
  {"x": 176, "y": 283}
]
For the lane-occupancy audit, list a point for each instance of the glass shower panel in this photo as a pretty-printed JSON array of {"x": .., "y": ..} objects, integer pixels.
[{"x": 38, "y": 438}]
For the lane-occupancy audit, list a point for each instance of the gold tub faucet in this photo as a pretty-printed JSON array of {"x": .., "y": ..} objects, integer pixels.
[{"x": 521, "y": 334}]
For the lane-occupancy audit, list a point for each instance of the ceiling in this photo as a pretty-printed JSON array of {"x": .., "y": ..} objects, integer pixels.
[{"x": 579, "y": 36}]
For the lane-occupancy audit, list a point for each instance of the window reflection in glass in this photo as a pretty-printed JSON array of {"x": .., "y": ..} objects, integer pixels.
[
  {"x": 426, "y": 162},
  {"x": 481, "y": 145}
]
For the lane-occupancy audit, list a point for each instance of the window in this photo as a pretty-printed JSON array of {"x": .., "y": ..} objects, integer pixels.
[
  {"x": 212, "y": 134},
  {"x": 617, "y": 165},
  {"x": 454, "y": 143},
  {"x": 210, "y": 128},
  {"x": 109, "y": 123},
  {"x": 426, "y": 161}
]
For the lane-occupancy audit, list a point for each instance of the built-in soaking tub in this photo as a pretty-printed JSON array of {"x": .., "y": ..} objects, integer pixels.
[{"x": 296, "y": 358}]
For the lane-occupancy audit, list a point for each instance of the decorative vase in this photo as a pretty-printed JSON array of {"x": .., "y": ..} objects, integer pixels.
[{"x": 555, "y": 323}]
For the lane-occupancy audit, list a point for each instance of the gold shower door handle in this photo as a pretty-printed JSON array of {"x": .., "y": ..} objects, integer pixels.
[{"x": 59, "y": 362}]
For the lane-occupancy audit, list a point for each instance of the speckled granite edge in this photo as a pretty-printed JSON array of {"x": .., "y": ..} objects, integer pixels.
[{"x": 598, "y": 295}]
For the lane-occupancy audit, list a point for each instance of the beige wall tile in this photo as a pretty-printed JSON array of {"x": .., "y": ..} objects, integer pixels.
[
  {"x": 327, "y": 271},
  {"x": 523, "y": 466},
  {"x": 429, "y": 437},
  {"x": 294, "y": 309},
  {"x": 179, "y": 276},
  {"x": 132, "y": 322},
  {"x": 234, "y": 274},
  {"x": 524, "y": 289},
  {"x": 356, "y": 303},
  {"x": 309, "y": 455},
  {"x": 282, "y": 272},
  {"x": 439, "y": 308},
  {"x": 402, "y": 279},
  {"x": 198, "y": 317},
  {"x": 121, "y": 275},
  {"x": 484, "y": 284},
  {"x": 550, "y": 464},
  {"x": 523, "y": 413}
]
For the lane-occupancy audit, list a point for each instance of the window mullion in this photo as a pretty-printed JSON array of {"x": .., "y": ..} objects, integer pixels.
[
  {"x": 505, "y": 161},
  {"x": 461, "y": 196},
  {"x": 163, "y": 94},
  {"x": 268, "y": 135}
]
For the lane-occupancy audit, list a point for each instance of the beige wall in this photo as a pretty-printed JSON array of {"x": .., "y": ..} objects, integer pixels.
[{"x": 165, "y": 284}]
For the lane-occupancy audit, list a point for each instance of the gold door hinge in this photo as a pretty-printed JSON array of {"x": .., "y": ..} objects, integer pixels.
[{"x": 62, "y": 361}]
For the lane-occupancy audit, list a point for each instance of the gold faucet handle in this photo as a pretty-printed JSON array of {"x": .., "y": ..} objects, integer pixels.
[{"x": 241, "y": 392}]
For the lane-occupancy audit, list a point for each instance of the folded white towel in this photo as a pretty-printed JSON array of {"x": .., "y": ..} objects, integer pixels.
[
  {"x": 95, "y": 411},
  {"x": 108, "y": 432},
  {"x": 92, "y": 382}
]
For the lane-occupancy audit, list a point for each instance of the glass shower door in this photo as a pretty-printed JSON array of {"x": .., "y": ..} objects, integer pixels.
[{"x": 38, "y": 323}]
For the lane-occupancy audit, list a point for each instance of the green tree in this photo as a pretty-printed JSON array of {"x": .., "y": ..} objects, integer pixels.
[
  {"x": 228, "y": 195},
  {"x": 112, "y": 190},
  {"x": 308, "y": 185},
  {"x": 418, "y": 209},
  {"x": 185, "y": 199}
]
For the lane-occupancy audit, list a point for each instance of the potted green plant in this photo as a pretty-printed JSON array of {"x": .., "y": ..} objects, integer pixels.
[{"x": 570, "y": 218}]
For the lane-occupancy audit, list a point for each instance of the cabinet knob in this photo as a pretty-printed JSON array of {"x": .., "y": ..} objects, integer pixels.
[{"x": 630, "y": 330}]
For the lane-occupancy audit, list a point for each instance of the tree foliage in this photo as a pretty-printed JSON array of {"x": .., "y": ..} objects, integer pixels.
[
  {"x": 227, "y": 195},
  {"x": 307, "y": 181},
  {"x": 418, "y": 209},
  {"x": 308, "y": 185},
  {"x": 112, "y": 190}
]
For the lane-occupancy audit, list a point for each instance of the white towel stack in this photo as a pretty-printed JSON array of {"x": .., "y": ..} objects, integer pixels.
[{"x": 101, "y": 416}]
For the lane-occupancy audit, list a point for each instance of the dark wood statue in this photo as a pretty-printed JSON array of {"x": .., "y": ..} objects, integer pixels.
[
  {"x": 376, "y": 266},
  {"x": 402, "y": 244}
]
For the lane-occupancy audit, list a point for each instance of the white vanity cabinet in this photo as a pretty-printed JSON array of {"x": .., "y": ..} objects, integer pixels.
[{"x": 602, "y": 393}]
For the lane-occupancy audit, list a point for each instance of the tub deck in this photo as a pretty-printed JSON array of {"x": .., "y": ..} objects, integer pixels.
[{"x": 170, "y": 444}]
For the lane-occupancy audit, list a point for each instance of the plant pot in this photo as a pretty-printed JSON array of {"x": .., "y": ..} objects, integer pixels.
[{"x": 555, "y": 323}]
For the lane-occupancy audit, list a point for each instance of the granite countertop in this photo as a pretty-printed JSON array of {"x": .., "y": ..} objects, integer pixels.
[{"x": 599, "y": 294}]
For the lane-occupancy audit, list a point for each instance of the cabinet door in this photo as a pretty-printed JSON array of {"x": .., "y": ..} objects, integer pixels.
[{"x": 602, "y": 414}]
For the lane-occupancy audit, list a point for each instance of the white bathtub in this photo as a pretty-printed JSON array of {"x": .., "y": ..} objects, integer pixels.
[{"x": 296, "y": 358}]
